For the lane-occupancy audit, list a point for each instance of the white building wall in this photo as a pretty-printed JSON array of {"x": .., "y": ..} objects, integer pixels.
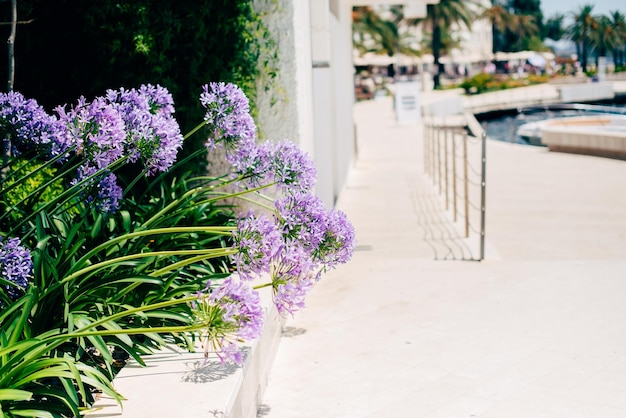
[
  {"x": 314, "y": 87},
  {"x": 286, "y": 111},
  {"x": 343, "y": 87}
]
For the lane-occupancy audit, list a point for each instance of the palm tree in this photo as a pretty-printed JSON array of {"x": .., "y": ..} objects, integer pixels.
[
  {"x": 605, "y": 38},
  {"x": 554, "y": 27},
  {"x": 449, "y": 41},
  {"x": 581, "y": 31},
  {"x": 500, "y": 20},
  {"x": 445, "y": 14},
  {"x": 372, "y": 33},
  {"x": 618, "y": 22},
  {"x": 524, "y": 26}
]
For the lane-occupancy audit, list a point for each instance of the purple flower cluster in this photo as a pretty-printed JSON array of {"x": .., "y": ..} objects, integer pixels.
[
  {"x": 241, "y": 317},
  {"x": 280, "y": 163},
  {"x": 291, "y": 168},
  {"x": 152, "y": 133},
  {"x": 258, "y": 241},
  {"x": 338, "y": 241},
  {"x": 136, "y": 124},
  {"x": 302, "y": 241},
  {"x": 97, "y": 131},
  {"x": 302, "y": 217},
  {"x": 293, "y": 274},
  {"x": 227, "y": 115},
  {"x": 232, "y": 127},
  {"x": 16, "y": 266},
  {"x": 27, "y": 125}
]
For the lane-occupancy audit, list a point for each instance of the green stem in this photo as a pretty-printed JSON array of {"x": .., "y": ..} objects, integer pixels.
[
  {"x": 226, "y": 195},
  {"x": 135, "y": 181},
  {"x": 262, "y": 286},
  {"x": 194, "y": 130}
]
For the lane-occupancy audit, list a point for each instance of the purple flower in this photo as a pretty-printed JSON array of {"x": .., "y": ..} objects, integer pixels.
[
  {"x": 227, "y": 115},
  {"x": 16, "y": 266},
  {"x": 302, "y": 217},
  {"x": 250, "y": 163},
  {"x": 152, "y": 133},
  {"x": 229, "y": 351},
  {"x": 282, "y": 163},
  {"x": 239, "y": 316},
  {"x": 293, "y": 169},
  {"x": 28, "y": 126},
  {"x": 96, "y": 129},
  {"x": 337, "y": 244},
  {"x": 102, "y": 190},
  {"x": 257, "y": 240},
  {"x": 293, "y": 275}
]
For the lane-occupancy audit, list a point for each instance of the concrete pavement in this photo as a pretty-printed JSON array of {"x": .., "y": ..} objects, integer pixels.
[{"x": 535, "y": 330}]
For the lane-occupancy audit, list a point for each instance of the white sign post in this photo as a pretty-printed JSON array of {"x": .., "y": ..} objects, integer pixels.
[{"x": 407, "y": 104}]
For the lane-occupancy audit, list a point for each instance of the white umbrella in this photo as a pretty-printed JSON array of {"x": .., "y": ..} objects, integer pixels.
[{"x": 537, "y": 61}]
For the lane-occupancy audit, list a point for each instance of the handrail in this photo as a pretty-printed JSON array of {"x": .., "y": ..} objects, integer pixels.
[
  {"x": 455, "y": 161},
  {"x": 574, "y": 106}
]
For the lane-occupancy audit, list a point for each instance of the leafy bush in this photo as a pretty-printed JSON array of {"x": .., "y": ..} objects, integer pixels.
[
  {"x": 130, "y": 255},
  {"x": 100, "y": 44},
  {"x": 483, "y": 82},
  {"x": 477, "y": 83}
]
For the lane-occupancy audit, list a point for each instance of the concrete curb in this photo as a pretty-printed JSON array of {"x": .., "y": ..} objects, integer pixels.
[{"x": 177, "y": 383}]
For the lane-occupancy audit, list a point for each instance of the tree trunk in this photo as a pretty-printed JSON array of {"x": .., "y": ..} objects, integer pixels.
[
  {"x": 436, "y": 47},
  {"x": 6, "y": 142},
  {"x": 11, "y": 46}
]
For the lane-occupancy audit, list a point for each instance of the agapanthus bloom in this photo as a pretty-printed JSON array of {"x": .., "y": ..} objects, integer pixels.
[
  {"x": 96, "y": 129},
  {"x": 337, "y": 244},
  {"x": 227, "y": 115},
  {"x": 16, "y": 266},
  {"x": 102, "y": 190},
  {"x": 250, "y": 162},
  {"x": 293, "y": 273},
  {"x": 27, "y": 125},
  {"x": 302, "y": 217},
  {"x": 234, "y": 313},
  {"x": 257, "y": 241},
  {"x": 291, "y": 168},
  {"x": 152, "y": 133}
]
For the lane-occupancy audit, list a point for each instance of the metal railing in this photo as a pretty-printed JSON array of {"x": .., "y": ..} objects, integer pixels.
[{"x": 455, "y": 162}]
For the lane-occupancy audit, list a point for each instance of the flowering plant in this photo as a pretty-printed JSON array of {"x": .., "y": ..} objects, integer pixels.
[{"x": 105, "y": 249}]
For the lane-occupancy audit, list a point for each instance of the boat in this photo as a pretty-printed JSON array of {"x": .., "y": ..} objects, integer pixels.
[{"x": 608, "y": 118}]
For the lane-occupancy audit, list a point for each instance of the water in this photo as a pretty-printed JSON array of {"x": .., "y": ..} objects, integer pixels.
[{"x": 503, "y": 127}]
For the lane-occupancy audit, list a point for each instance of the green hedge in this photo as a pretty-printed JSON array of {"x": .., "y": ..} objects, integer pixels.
[{"x": 78, "y": 47}]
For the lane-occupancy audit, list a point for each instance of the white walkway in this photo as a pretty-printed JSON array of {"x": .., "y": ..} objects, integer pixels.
[{"x": 536, "y": 330}]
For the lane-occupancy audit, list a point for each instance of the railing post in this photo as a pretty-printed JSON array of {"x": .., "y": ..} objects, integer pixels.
[
  {"x": 432, "y": 151},
  {"x": 439, "y": 157},
  {"x": 425, "y": 140},
  {"x": 454, "y": 174},
  {"x": 483, "y": 189},
  {"x": 465, "y": 185},
  {"x": 445, "y": 153}
]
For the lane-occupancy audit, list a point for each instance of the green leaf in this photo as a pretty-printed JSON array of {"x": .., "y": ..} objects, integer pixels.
[
  {"x": 97, "y": 226},
  {"x": 30, "y": 413},
  {"x": 15, "y": 395}
]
